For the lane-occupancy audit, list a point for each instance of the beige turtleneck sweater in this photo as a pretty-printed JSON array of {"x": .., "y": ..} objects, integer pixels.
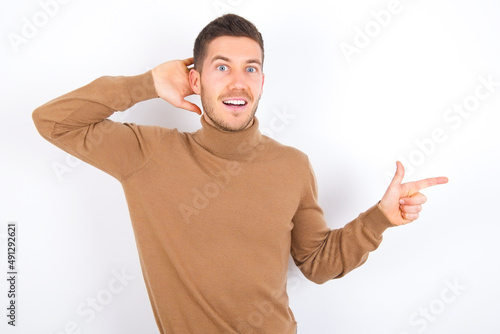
[{"x": 215, "y": 214}]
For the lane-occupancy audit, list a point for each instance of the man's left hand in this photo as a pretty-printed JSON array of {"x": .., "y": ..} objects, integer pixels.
[{"x": 402, "y": 202}]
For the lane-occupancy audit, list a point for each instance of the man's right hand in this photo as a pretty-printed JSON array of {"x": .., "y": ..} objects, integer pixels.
[{"x": 172, "y": 83}]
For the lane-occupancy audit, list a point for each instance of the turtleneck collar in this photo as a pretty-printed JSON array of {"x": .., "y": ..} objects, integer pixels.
[{"x": 227, "y": 144}]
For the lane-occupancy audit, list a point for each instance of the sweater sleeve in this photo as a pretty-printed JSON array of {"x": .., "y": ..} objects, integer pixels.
[
  {"x": 77, "y": 123},
  {"x": 323, "y": 254}
]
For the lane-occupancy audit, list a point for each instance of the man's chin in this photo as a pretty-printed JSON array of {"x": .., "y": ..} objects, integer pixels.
[
  {"x": 235, "y": 126},
  {"x": 232, "y": 125}
]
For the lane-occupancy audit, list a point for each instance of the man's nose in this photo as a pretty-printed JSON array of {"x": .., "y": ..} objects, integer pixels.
[{"x": 237, "y": 80}]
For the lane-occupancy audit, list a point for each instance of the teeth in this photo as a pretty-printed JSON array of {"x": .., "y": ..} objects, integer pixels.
[{"x": 235, "y": 102}]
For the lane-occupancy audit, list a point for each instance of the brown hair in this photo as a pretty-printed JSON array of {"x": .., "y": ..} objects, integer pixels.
[{"x": 226, "y": 25}]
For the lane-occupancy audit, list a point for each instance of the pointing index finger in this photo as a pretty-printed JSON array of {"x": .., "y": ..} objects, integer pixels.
[{"x": 433, "y": 181}]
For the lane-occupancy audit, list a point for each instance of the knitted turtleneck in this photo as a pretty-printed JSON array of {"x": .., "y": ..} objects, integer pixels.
[
  {"x": 227, "y": 144},
  {"x": 215, "y": 214}
]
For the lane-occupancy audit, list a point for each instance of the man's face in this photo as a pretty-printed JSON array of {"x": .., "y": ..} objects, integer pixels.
[{"x": 231, "y": 82}]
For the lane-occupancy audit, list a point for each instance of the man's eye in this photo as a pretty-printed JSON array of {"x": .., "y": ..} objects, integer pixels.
[
  {"x": 222, "y": 68},
  {"x": 251, "y": 69}
]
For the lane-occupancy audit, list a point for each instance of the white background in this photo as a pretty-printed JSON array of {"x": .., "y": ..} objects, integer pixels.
[{"x": 353, "y": 115}]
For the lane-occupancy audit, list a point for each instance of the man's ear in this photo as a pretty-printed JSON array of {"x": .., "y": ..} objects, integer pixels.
[{"x": 195, "y": 81}]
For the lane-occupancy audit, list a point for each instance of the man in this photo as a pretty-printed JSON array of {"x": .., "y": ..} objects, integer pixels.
[{"x": 217, "y": 212}]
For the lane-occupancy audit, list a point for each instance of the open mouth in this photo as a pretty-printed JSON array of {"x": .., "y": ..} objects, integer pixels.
[{"x": 235, "y": 103}]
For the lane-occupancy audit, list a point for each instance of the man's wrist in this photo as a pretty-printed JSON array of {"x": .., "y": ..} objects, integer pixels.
[{"x": 141, "y": 87}]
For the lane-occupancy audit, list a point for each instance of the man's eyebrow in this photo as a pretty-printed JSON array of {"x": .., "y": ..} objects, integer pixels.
[
  {"x": 249, "y": 61},
  {"x": 254, "y": 61},
  {"x": 220, "y": 58}
]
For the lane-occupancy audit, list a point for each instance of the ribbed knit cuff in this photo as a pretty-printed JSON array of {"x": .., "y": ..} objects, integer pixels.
[
  {"x": 375, "y": 220},
  {"x": 141, "y": 87}
]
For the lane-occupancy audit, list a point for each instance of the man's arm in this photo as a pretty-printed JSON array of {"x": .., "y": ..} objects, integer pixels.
[
  {"x": 323, "y": 254},
  {"x": 77, "y": 121}
]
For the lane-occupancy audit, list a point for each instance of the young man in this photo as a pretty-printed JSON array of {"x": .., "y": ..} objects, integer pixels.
[{"x": 217, "y": 212}]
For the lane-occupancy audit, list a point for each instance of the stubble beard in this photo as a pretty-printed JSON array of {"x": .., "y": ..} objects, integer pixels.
[{"x": 219, "y": 123}]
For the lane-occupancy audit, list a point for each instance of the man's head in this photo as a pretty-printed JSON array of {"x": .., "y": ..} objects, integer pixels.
[
  {"x": 226, "y": 25},
  {"x": 228, "y": 56}
]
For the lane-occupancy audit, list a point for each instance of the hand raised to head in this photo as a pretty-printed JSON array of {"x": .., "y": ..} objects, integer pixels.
[{"x": 171, "y": 81}]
